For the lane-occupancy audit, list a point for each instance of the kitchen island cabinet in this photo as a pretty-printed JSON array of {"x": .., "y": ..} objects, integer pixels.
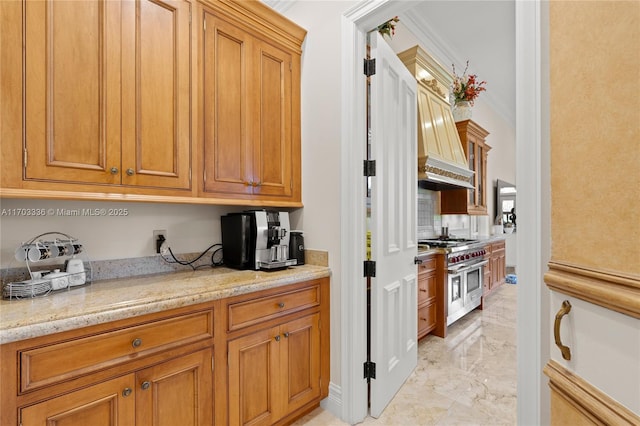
[{"x": 166, "y": 364}]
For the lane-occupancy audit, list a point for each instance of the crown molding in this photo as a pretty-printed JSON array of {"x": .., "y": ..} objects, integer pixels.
[{"x": 445, "y": 53}]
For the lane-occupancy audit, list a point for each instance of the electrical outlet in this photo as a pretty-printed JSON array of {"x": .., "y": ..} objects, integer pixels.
[{"x": 159, "y": 237}]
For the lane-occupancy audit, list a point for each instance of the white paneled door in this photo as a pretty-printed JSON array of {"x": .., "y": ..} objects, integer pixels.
[{"x": 393, "y": 146}]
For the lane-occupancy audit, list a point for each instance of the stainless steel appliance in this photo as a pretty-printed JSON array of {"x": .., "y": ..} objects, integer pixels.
[
  {"x": 465, "y": 274},
  {"x": 256, "y": 239}
]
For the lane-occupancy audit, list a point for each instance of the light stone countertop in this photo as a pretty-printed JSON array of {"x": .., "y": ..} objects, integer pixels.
[{"x": 111, "y": 300}]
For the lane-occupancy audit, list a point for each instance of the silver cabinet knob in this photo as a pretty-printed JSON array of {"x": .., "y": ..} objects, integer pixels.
[
  {"x": 277, "y": 338},
  {"x": 280, "y": 305},
  {"x": 136, "y": 343},
  {"x": 286, "y": 334},
  {"x": 114, "y": 170},
  {"x": 145, "y": 385},
  {"x": 126, "y": 392},
  {"x": 130, "y": 172}
]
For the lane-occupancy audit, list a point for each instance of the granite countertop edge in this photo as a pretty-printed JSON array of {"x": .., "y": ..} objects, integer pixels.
[{"x": 108, "y": 300}]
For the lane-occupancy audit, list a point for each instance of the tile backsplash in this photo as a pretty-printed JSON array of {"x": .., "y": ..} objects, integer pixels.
[{"x": 429, "y": 222}]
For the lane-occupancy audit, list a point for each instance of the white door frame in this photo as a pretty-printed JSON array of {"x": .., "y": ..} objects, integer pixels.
[{"x": 532, "y": 198}]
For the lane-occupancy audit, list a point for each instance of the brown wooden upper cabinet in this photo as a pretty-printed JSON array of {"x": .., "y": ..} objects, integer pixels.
[
  {"x": 151, "y": 100},
  {"x": 107, "y": 92},
  {"x": 251, "y": 91},
  {"x": 470, "y": 201}
]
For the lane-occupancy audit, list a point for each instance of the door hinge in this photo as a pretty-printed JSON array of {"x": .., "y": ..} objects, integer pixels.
[
  {"x": 369, "y": 370},
  {"x": 204, "y": 24},
  {"x": 212, "y": 363},
  {"x": 369, "y": 168},
  {"x": 24, "y": 157},
  {"x": 369, "y": 67},
  {"x": 369, "y": 268}
]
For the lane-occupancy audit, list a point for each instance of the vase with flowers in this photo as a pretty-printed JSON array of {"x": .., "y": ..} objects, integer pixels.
[{"x": 464, "y": 90}]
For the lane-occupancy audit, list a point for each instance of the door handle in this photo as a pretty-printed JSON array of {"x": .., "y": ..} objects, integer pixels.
[{"x": 564, "y": 310}]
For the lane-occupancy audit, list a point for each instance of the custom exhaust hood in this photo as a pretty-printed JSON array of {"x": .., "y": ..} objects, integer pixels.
[{"x": 442, "y": 162}]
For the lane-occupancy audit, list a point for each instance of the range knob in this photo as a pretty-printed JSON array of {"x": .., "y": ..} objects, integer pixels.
[{"x": 467, "y": 256}]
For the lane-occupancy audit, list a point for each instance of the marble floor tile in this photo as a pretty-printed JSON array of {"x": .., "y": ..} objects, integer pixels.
[{"x": 468, "y": 378}]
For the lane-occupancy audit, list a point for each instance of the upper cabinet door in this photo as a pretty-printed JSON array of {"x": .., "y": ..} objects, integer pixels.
[
  {"x": 248, "y": 114},
  {"x": 272, "y": 125},
  {"x": 155, "y": 94},
  {"x": 227, "y": 155},
  {"x": 107, "y": 92},
  {"x": 72, "y": 91}
]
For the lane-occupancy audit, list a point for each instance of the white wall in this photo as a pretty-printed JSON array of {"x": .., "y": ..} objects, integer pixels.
[
  {"x": 321, "y": 143},
  {"x": 190, "y": 228}
]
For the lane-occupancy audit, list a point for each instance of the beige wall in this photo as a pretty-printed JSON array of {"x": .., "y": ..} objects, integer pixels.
[
  {"x": 594, "y": 66},
  {"x": 595, "y": 134}
]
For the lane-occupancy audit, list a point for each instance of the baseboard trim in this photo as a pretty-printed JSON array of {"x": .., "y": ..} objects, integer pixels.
[
  {"x": 590, "y": 401},
  {"x": 608, "y": 289},
  {"x": 333, "y": 403}
]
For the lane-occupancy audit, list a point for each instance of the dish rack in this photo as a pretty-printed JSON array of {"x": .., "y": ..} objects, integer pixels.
[{"x": 45, "y": 250}]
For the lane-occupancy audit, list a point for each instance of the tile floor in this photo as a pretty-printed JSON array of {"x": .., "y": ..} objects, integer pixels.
[{"x": 468, "y": 378}]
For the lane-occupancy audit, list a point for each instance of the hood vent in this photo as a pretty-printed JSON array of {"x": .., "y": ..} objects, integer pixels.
[{"x": 442, "y": 163}]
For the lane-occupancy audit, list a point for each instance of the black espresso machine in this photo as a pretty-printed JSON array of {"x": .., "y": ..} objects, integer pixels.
[{"x": 256, "y": 239}]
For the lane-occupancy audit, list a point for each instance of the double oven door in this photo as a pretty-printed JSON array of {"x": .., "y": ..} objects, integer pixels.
[{"x": 464, "y": 290}]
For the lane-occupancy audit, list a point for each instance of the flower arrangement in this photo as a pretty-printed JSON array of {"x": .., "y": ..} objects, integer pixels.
[
  {"x": 389, "y": 27},
  {"x": 466, "y": 87}
]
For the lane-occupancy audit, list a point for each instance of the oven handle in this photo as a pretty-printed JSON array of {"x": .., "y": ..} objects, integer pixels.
[{"x": 467, "y": 268}]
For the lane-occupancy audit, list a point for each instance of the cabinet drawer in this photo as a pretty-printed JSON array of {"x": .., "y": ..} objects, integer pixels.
[
  {"x": 426, "y": 287},
  {"x": 244, "y": 314},
  {"x": 426, "y": 318},
  {"x": 500, "y": 245},
  {"x": 62, "y": 361},
  {"x": 427, "y": 265}
]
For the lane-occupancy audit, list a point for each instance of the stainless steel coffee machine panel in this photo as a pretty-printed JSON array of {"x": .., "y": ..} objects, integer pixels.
[{"x": 256, "y": 239}]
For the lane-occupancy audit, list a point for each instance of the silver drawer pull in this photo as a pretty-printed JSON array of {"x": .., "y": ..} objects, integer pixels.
[
  {"x": 136, "y": 343},
  {"x": 145, "y": 385},
  {"x": 126, "y": 392},
  {"x": 281, "y": 305}
]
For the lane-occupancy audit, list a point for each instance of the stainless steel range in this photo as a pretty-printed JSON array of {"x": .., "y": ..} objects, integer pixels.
[{"x": 465, "y": 273}]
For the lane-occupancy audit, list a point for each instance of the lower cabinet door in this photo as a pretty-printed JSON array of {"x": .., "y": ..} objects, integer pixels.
[
  {"x": 300, "y": 361},
  {"x": 176, "y": 392},
  {"x": 426, "y": 319},
  {"x": 254, "y": 371},
  {"x": 110, "y": 403}
]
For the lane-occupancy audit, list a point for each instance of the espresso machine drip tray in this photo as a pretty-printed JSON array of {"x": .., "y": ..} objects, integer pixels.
[{"x": 273, "y": 265}]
